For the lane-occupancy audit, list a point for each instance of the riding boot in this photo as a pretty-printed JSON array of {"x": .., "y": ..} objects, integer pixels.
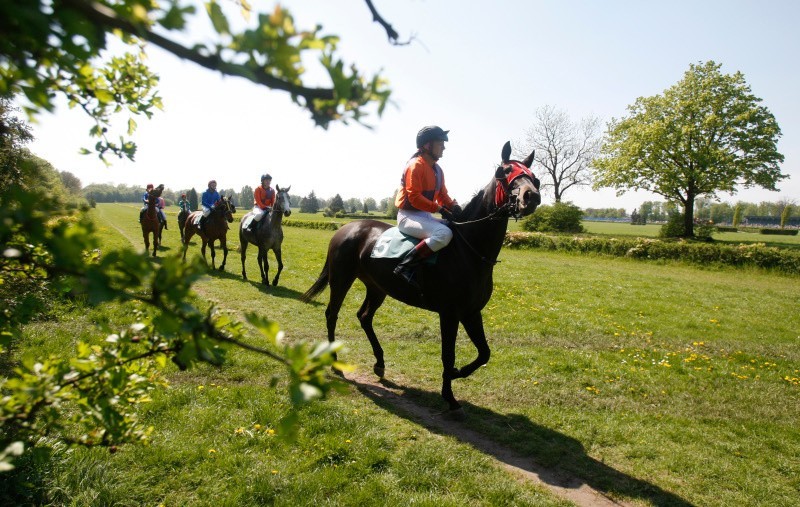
[
  {"x": 141, "y": 215},
  {"x": 407, "y": 269},
  {"x": 203, "y": 225}
]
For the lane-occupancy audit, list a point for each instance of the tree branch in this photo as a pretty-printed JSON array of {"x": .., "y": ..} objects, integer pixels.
[
  {"x": 391, "y": 33},
  {"x": 104, "y": 16}
]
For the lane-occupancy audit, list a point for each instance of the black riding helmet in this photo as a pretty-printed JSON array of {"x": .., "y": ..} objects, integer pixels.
[
  {"x": 266, "y": 177},
  {"x": 430, "y": 133}
]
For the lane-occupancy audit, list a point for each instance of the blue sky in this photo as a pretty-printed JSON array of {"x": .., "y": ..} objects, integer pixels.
[{"x": 479, "y": 69}]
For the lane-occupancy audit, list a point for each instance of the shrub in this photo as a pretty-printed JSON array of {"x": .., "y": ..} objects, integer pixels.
[
  {"x": 721, "y": 228},
  {"x": 673, "y": 228},
  {"x": 560, "y": 217}
]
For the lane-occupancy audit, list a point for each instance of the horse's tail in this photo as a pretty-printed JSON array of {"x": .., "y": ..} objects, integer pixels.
[{"x": 318, "y": 286}]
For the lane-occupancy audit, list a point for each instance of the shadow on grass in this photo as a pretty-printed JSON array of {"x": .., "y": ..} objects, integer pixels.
[{"x": 557, "y": 460}]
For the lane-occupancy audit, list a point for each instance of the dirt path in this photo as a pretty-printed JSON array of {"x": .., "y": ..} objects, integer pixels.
[{"x": 563, "y": 485}]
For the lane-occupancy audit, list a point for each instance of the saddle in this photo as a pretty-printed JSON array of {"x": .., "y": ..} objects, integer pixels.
[{"x": 393, "y": 244}]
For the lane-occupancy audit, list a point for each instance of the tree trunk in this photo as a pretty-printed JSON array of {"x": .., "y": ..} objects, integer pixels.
[{"x": 688, "y": 217}]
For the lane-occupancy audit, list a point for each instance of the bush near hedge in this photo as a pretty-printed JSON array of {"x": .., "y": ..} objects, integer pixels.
[{"x": 758, "y": 255}]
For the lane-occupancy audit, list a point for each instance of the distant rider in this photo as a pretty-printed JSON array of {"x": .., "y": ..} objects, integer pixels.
[
  {"x": 159, "y": 206},
  {"x": 263, "y": 200},
  {"x": 209, "y": 198}
]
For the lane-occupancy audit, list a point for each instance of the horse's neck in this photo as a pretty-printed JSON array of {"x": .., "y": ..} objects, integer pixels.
[{"x": 483, "y": 231}]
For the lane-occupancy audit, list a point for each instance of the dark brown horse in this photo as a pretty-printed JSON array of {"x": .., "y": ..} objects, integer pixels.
[
  {"x": 216, "y": 228},
  {"x": 267, "y": 235},
  {"x": 150, "y": 221},
  {"x": 182, "y": 215},
  {"x": 457, "y": 287}
]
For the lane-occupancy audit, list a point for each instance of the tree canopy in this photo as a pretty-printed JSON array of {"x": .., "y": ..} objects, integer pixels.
[
  {"x": 704, "y": 135},
  {"x": 51, "y": 49}
]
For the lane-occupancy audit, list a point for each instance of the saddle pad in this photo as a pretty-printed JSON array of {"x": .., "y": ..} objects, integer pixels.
[
  {"x": 196, "y": 219},
  {"x": 247, "y": 219},
  {"x": 393, "y": 244}
]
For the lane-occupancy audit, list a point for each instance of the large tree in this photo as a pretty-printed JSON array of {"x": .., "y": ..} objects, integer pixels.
[
  {"x": 51, "y": 48},
  {"x": 564, "y": 148},
  {"x": 706, "y": 134}
]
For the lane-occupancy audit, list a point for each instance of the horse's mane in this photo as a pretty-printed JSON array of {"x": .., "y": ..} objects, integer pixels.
[{"x": 480, "y": 204}]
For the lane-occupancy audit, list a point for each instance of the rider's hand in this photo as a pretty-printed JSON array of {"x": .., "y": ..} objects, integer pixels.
[
  {"x": 456, "y": 209},
  {"x": 447, "y": 214}
]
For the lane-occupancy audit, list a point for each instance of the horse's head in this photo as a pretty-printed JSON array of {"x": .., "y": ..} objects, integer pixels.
[
  {"x": 225, "y": 205},
  {"x": 517, "y": 187},
  {"x": 283, "y": 204},
  {"x": 156, "y": 192}
]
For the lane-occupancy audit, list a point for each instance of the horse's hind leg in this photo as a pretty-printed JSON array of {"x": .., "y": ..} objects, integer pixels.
[
  {"x": 372, "y": 302},
  {"x": 339, "y": 288},
  {"x": 280, "y": 265}
]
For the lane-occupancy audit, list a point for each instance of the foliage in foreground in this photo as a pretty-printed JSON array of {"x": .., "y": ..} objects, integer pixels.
[
  {"x": 49, "y": 50},
  {"x": 755, "y": 255},
  {"x": 93, "y": 397}
]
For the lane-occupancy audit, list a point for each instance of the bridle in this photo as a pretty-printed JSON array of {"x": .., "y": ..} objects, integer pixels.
[{"x": 506, "y": 202}]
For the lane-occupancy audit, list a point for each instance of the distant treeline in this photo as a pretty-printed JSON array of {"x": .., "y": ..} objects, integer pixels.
[
  {"x": 107, "y": 192},
  {"x": 705, "y": 209}
]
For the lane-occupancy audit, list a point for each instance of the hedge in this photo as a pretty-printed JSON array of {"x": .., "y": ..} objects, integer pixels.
[
  {"x": 312, "y": 224},
  {"x": 781, "y": 232},
  {"x": 758, "y": 255}
]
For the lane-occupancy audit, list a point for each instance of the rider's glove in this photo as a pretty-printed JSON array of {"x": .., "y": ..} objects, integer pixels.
[{"x": 447, "y": 214}]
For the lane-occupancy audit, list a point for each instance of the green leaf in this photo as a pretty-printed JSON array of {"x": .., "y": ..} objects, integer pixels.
[{"x": 218, "y": 18}]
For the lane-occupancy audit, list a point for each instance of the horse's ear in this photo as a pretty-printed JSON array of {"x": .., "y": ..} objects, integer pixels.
[
  {"x": 287, "y": 189},
  {"x": 277, "y": 187},
  {"x": 529, "y": 159},
  {"x": 505, "y": 155}
]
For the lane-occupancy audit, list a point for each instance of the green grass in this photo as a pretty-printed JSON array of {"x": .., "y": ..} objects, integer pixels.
[{"x": 660, "y": 384}]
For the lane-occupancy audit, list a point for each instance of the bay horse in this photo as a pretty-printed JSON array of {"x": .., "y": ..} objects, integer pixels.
[
  {"x": 216, "y": 228},
  {"x": 150, "y": 222},
  {"x": 267, "y": 236},
  {"x": 457, "y": 287},
  {"x": 182, "y": 215}
]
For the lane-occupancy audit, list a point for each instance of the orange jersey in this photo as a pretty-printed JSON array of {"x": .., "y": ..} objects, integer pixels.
[
  {"x": 264, "y": 198},
  {"x": 423, "y": 187}
]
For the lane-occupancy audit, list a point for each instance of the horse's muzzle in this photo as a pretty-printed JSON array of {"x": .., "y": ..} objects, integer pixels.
[{"x": 527, "y": 200}]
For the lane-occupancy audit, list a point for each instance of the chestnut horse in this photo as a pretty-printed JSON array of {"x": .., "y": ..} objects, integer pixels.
[
  {"x": 216, "y": 228},
  {"x": 150, "y": 222},
  {"x": 457, "y": 287},
  {"x": 267, "y": 236}
]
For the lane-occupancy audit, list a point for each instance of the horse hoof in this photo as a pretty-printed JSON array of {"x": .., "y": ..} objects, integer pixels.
[
  {"x": 456, "y": 414},
  {"x": 380, "y": 371}
]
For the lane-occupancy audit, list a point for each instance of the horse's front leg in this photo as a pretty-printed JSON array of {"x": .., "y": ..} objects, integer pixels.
[
  {"x": 473, "y": 325},
  {"x": 448, "y": 324},
  {"x": 210, "y": 245},
  {"x": 224, "y": 244},
  {"x": 280, "y": 265},
  {"x": 263, "y": 264}
]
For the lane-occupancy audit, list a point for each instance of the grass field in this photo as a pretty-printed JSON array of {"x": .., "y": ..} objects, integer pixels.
[{"x": 658, "y": 384}]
